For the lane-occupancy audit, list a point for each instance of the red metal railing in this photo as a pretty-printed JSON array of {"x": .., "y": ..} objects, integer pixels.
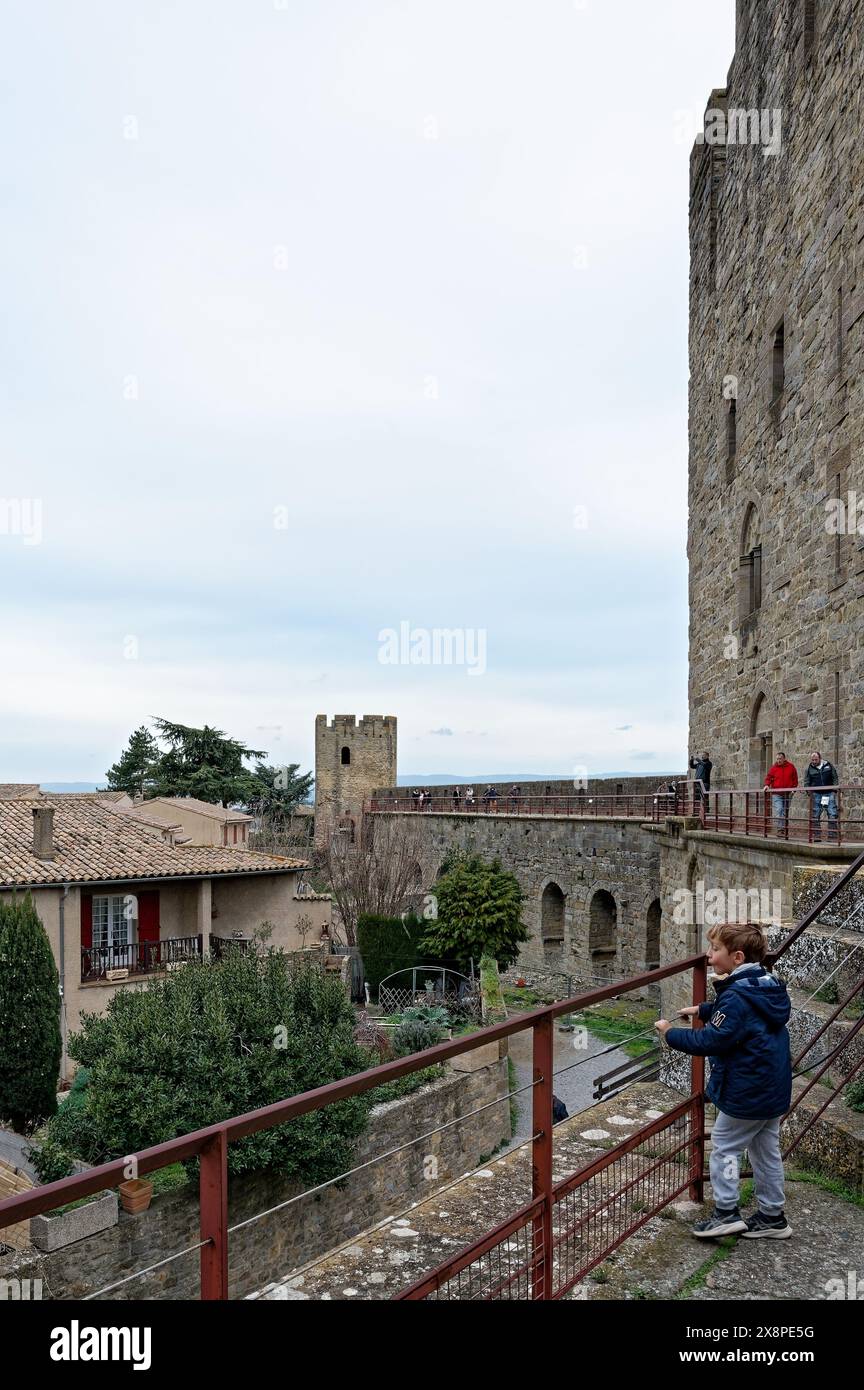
[
  {"x": 797, "y": 815},
  {"x": 210, "y": 1144},
  {"x": 806, "y": 815},
  {"x": 636, "y": 805}
]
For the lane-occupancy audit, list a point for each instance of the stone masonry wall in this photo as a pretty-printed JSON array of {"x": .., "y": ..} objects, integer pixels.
[
  {"x": 582, "y": 858},
  {"x": 777, "y": 238},
  {"x": 341, "y": 788}
]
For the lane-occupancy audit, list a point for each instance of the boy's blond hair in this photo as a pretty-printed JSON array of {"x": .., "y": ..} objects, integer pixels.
[{"x": 741, "y": 936}]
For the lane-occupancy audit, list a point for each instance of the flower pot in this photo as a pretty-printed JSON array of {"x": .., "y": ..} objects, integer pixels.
[{"x": 135, "y": 1195}]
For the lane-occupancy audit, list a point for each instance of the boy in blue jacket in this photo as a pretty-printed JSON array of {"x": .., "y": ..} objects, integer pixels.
[{"x": 751, "y": 1078}]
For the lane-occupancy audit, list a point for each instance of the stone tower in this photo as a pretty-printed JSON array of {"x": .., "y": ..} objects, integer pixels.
[
  {"x": 776, "y": 405},
  {"x": 351, "y": 759}
]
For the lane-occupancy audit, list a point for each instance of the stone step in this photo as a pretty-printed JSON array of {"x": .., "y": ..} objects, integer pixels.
[
  {"x": 808, "y": 1016},
  {"x": 810, "y": 882},
  {"x": 665, "y": 1261},
  {"x": 818, "y": 953}
]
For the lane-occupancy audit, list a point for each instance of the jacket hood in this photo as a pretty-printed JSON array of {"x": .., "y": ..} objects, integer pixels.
[{"x": 763, "y": 992}]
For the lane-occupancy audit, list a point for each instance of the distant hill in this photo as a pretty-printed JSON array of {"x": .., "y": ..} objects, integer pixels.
[
  {"x": 444, "y": 779},
  {"x": 72, "y": 786}
]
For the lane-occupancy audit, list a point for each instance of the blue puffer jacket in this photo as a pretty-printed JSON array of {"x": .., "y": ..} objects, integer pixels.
[{"x": 748, "y": 1043}]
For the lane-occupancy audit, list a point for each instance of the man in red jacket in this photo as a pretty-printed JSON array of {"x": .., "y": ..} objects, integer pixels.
[{"x": 782, "y": 779}]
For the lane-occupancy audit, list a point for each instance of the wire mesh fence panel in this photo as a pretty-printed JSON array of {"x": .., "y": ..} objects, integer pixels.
[{"x": 599, "y": 1208}]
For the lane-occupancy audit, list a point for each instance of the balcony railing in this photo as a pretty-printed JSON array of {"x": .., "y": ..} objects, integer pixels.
[{"x": 139, "y": 957}]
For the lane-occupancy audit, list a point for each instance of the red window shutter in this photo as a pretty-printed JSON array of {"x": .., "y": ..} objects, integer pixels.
[
  {"x": 148, "y": 915},
  {"x": 86, "y": 920}
]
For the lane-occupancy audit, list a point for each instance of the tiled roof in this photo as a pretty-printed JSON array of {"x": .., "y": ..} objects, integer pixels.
[
  {"x": 203, "y": 808},
  {"x": 11, "y": 790},
  {"x": 93, "y": 843},
  {"x": 105, "y": 795}
]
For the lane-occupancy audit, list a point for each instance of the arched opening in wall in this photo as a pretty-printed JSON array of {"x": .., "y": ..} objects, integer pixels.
[
  {"x": 346, "y": 757},
  {"x": 652, "y": 939},
  {"x": 694, "y": 928},
  {"x": 552, "y": 919},
  {"x": 345, "y": 829},
  {"x": 603, "y": 932},
  {"x": 750, "y": 567},
  {"x": 761, "y": 740}
]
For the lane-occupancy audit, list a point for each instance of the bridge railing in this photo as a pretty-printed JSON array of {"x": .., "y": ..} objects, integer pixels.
[{"x": 807, "y": 815}]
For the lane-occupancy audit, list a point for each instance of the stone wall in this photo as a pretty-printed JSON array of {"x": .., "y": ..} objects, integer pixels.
[
  {"x": 606, "y": 871},
  {"x": 777, "y": 239},
  {"x": 342, "y": 787},
  {"x": 273, "y": 1246}
]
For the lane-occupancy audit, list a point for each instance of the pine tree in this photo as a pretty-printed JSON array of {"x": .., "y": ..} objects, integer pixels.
[
  {"x": 136, "y": 769},
  {"x": 30, "y": 1042},
  {"x": 205, "y": 763}
]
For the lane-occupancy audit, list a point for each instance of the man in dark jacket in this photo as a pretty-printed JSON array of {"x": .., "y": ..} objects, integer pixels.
[
  {"x": 821, "y": 774},
  {"x": 702, "y": 770},
  {"x": 750, "y": 1082}
]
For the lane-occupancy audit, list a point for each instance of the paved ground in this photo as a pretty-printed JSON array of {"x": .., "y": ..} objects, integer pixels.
[
  {"x": 12, "y": 1148},
  {"x": 575, "y": 1085}
]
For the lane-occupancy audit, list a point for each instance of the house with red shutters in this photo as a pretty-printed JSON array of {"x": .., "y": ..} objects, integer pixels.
[{"x": 121, "y": 900}]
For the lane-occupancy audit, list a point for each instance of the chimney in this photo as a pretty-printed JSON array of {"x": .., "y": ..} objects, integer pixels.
[{"x": 43, "y": 832}]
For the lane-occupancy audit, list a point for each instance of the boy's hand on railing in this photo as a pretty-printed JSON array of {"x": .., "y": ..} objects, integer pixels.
[
  {"x": 663, "y": 1025},
  {"x": 689, "y": 1012}
]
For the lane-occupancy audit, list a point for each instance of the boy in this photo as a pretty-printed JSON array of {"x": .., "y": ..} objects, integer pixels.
[{"x": 751, "y": 1078}]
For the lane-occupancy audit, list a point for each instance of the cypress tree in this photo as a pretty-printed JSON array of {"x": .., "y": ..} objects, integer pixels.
[{"x": 30, "y": 1042}]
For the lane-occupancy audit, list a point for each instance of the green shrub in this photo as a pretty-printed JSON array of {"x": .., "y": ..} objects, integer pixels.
[
  {"x": 388, "y": 944},
  {"x": 210, "y": 1041},
  {"x": 415, "y": 1036},
  {"x": 50, "y": 1160},
  {"x": 479, "y": 912},
  {"x": 427, "y": 1013},
  {"x": 29, "y": 1018},
  {"x": 855, "y": 1095}
]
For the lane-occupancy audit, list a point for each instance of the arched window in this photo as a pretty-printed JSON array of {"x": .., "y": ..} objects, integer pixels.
[
  {"x": 602, "y": 932},
  {"x": 750, "y": 566},
  {"x": 652, "y": 939},
  {"x": 552, "y": 915},
  {"x": 761, "y": 740},
  {"x": 731, "y": 434},
  {"x": 346, "y": 757}
]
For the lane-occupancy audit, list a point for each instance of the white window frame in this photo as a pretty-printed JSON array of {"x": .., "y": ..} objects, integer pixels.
[{"x": 115, "y": 919}]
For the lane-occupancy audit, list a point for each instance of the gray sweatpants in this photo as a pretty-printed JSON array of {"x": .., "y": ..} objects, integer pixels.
[{"x": 761, "y": 1138}]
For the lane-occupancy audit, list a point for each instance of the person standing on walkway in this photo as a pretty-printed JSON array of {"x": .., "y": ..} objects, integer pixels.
[
  {"x": 746, "y": 1037},
  {"x": 702, "y": 766},
  {"x": 821, "y": 775},
  {"x": 782, "y": 779}
]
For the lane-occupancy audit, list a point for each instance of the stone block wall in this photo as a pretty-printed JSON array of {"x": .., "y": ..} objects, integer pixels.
[
  {"x": 777, "y": 329},
  {"x": 596, "y": 879}
]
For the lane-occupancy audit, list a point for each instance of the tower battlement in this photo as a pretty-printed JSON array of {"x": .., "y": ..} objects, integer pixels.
[{"x": 352, "y": 758}]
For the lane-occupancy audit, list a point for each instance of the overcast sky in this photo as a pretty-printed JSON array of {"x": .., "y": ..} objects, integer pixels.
[{"x": 324, "y": 317}]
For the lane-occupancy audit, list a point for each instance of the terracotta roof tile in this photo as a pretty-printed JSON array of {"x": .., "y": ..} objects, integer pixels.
[
  {"x": 94, "y": 843},
  {"x": 203, "y": 808}
]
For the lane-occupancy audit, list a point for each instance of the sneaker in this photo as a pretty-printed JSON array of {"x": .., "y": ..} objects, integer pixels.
[
  {"x": 772, "y": 1227},
  {"x": 720, "y": 1223}
]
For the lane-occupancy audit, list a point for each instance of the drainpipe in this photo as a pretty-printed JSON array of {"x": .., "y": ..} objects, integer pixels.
[{"x": 62, "y": 972}]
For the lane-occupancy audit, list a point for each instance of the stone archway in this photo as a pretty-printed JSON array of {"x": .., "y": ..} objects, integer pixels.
[
  {"x": 552, "y": 921},
  {"x": 761, "y": 744},
  {"x": 603, "y": 932},
  {"x": 653, "y": 918}
]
